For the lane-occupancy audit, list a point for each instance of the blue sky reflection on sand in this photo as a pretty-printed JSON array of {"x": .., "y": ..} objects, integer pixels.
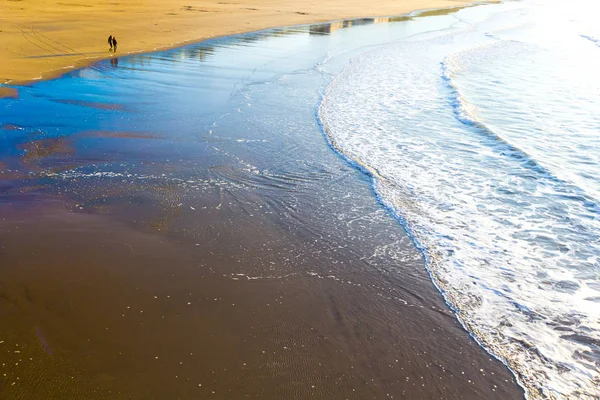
[{"x": 153, "y": 93}]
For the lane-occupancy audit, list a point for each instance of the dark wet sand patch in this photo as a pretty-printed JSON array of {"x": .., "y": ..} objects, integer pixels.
[
  {"x": 117, "y": 135},
  {"x": 36, "y": 153},
  {"x": 11, "y": 127},
  {"x": 9, "y": 92},
  {"x": 192, "y": 8},
  {"x": 83, "y": 103}
]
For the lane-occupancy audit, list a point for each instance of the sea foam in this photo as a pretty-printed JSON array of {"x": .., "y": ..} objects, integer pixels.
[{"x": 510, "y": 239}]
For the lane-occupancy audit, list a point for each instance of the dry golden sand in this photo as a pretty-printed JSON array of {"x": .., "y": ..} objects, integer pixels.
[{"x": 41, "y": 39}]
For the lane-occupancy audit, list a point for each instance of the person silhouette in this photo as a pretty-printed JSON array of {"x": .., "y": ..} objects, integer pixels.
[
  {"x": 114, "y": 43},
  {"x": 110, "y": 41}
]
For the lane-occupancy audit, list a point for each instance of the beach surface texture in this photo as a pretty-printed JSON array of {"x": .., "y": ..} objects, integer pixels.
[
  {"x": 402, "y": 206},
  {"x": 174, "y": 225},
  {"x": 42, "y": 39}
]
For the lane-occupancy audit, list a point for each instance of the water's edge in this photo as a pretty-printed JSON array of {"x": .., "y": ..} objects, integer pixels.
[{"x": 396, "y": 214}]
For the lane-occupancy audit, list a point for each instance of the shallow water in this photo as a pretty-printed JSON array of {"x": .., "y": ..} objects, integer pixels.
[{"x": 483, "y": 138}]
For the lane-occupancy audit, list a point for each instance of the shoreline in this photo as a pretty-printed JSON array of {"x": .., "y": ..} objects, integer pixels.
[
  {"x": 40, "y": 62},
  {"x": 240, "y": 255}
]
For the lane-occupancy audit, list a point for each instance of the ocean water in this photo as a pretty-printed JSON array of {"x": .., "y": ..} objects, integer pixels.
[{"x": 483, "y": 137}]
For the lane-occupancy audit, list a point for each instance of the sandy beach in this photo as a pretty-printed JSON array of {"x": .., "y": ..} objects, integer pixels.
[
  {"x": 174, "y": 225},
  {"x": 397, "y": 206},
  {"x": 41, "y": 39}
]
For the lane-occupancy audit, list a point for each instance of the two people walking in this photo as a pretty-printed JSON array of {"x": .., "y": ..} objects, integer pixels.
[{"x": 112, "y": 41}]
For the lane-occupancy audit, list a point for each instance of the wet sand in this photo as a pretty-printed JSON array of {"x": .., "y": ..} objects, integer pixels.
[
  {"x": 41, "y": 39},
  {"x": 202, "y": 240},
  {"x": 94, "y": 309}
]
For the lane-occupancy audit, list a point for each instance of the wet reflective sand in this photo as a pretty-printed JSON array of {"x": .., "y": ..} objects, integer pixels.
[
  {"x": 92, "y": 309},
  {"x": 180, "y": 229}
]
